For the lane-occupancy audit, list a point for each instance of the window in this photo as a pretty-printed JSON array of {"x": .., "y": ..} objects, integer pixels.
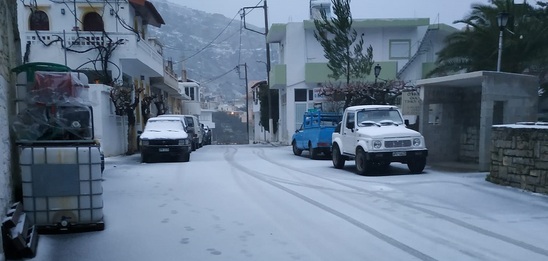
[
  {"x": 39, "y": 21},
  {"x": 93, "y": 22},
  {"x": 435, "y": 112},
  {"x": 350, "y": 120},
  {"x": 189, "y": 91},
  {"x": 300, "y": 95},
  {"x": 400, "y": 49}
]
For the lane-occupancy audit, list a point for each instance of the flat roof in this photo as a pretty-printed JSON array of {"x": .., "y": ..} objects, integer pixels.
[{"x": 464, "y": 79}]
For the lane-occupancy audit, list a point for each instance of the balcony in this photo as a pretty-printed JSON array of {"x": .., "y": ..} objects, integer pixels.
[
  {"x": 131, "y": 55},
  {"x": 278, "y": 76},
  {"x": 167, "y": 83}
]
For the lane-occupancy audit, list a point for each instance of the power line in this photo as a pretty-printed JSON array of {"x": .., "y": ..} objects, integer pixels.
[
  {"x": 257, "y": 5},
  {"x": 211, "y": 42},
  {"x": 217, "y": 77}
]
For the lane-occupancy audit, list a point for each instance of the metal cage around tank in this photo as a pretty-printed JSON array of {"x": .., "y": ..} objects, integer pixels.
[{"x": 62, "y": 184}]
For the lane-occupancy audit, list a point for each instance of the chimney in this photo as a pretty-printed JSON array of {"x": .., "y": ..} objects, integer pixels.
[{"x": 183, "y": 75}]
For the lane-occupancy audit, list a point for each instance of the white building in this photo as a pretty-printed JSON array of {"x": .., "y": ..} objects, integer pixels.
[
  {"x": 195, "y": 105},
  {"x": 404, "y": 48},
  {"x": 109, "y": 42}
]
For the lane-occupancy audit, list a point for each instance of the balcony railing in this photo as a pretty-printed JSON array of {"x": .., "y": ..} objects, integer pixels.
[{"x": 129, "y": 45}]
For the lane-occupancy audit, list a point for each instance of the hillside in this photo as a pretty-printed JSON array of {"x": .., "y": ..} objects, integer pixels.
[{"x": 188, "y": 36}]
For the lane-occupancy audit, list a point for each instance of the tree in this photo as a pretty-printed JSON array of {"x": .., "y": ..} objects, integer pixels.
[
  {"x": 342, "y": 47},
  {"x": 360, "y": 93},
  {"x": 263, "y": 98},
  {"x": 125, "y": 100},
  {"x": 476, "y": 47}
]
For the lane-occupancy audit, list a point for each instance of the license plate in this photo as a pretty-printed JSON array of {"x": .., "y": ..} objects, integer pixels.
[
  {"x": 399, "y": 153},
  {"x": 164, "y": 149}
]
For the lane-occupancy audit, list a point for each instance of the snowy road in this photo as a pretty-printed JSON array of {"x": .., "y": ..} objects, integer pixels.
[{"x": 259, "y": 202}]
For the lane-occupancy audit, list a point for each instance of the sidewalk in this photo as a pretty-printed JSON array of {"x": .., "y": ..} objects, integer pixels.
[{"x": 454, "y": 166}]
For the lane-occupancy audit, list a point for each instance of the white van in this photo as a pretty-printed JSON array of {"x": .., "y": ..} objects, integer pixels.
[{"x": 194, "y": 122}]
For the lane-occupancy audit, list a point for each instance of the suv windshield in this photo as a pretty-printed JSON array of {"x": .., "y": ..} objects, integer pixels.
[{"x": 378, "y": 116}]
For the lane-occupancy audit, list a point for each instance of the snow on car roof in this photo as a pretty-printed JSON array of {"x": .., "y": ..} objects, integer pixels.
[
  {"x": 165, "y": 118},
  {"x": 164, "y": 128}
]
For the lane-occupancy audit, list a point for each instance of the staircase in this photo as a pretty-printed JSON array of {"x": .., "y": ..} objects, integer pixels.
[{"x": 423, "y": 48}]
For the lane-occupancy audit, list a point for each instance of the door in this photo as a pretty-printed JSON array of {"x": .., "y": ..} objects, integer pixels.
[{"x": 348, "y": 134}]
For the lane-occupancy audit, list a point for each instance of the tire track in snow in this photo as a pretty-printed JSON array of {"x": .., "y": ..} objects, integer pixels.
[
  {"x": 458, "y": 246},
  {"x": 450, "y": 219},
  {"x": 259, "y": 176}
]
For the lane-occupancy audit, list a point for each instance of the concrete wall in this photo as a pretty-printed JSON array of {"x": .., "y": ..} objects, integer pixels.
[
  {"x": 9, "y": 57},
  {"x": 442, "y": 137},
  {"x": 519, "y": 157},
  {"x": 518, "y": 96}
]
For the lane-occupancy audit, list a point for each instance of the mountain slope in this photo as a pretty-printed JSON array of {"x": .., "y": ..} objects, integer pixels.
[{"x": 208, "y": 47}]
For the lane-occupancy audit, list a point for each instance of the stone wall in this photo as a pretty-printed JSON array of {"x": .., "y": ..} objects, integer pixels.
[
  {"x": 9, "y": 57},
  {"x": 519, "y": 156},
  {"x": 469, "y": 144}
]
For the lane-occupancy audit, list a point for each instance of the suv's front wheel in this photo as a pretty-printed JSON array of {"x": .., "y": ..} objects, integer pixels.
[
  {"x": 337, "y": 157},
  {"x": 416, "y": 165},
  {"x": 361, "y": 162}
]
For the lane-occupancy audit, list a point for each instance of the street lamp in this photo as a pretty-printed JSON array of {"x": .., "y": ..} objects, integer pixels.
[
  {"x": 502, "y": 20},
  {"x": 377, "y": 72}
]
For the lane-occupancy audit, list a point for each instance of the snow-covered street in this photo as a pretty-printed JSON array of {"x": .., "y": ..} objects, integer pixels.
[{"x": 259, "y": 202}]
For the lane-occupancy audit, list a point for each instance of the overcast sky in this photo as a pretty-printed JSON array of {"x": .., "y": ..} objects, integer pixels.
[{"x": 283, "y": 11}]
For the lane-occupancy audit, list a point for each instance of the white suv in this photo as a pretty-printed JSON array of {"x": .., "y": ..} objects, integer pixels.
[{"x": 376, "y": 135}]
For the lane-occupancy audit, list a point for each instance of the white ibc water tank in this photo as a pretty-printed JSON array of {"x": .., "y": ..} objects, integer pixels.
[{"x": 62, "y": 184}]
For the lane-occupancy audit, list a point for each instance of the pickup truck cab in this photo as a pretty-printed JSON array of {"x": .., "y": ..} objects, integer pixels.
[
  {"x": 315, "y": 133},
  {"x": 375, "y": 135}
]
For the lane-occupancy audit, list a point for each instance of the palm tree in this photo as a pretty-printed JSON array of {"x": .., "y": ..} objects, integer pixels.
[{"x": 525, "y": 48}]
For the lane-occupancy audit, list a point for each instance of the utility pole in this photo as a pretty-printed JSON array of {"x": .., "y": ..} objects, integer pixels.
[
  {"x": 265, "y": 9},
  {"x": 270, "y": 122},
  {"x": 246, "y": 100}
]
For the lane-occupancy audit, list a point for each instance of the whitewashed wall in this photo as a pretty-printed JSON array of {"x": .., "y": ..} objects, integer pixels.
[{"x": 110, "y": 129}]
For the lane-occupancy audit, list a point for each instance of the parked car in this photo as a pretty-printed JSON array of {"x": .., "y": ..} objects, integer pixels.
[
  {"x": 314, "y": 134},
  {"x": 376, "y": 135},
  {"x": 165, "y": 136},
  {"x": 194, "y": 123},
  {"x": 190, "y": 121}
]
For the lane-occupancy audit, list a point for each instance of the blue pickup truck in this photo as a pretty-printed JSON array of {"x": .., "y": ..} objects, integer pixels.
[{"x": 314, "y": 134}]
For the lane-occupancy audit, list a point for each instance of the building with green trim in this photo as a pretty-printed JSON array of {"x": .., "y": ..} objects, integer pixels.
[{"x": 404, "y": 48}]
